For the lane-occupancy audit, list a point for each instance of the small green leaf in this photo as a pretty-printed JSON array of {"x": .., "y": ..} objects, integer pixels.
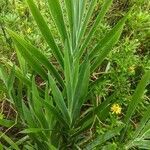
[{"x": 6, "y": 123}]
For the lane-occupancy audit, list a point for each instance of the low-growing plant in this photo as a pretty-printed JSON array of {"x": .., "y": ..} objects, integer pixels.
[{"x": 50, "y": 98}]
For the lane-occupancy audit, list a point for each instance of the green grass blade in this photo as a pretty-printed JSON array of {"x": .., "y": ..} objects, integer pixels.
[
  {"x": 145, "y": 133},
  {"x": 109, "y": 36},
  {"x": 143, "y": 122},
  {"x": 84, "y": 85},
  {"x": 34, "y": 130},
  {"x": 82, "y": 6},
  {"x": 52, "y": 110},
  {"x": 33, "y": 122},
  {"x": 19, "y": 74},
  {"x": 17, "y": 98},
  {"x": 3, "y": 75},
  {"x": 81, "y": 89},
  {"x": 57, "y": 15},
  {"x": 103, "y": 138},
  {"x": 68, "y": 75},
  {"x": 31, "y": 61},
  {"x": 87, "y": 121},
  {"x": 104, "y": 52},
  {"x": 99, "y": 18},
  {"x": 59, "y": 99},
  {"x": 110, "y": 146},
  {"x": 9, "y": 141},
  {"x": 8, "y": 79},
  {"x": 75, "y": 74},
  {"x": 69, "y": 7},
  {"x": 45, "y": 31},
  {"x": 136, "y": 99},
  {"x": 22, "y": 62},
  {"x": 141, "y": 144},
  {"x": 38, "y": 55},
  {"x": 11, "y": 79},
  {"x": 37, "y": 105},
  {"x": 38, "y": 124},
  {"x": 96, "y": 110},
  {"x": 141, "y": 132},
  {"x": 49, "y": 116},
  {"x": 27, "y": 116},
  {"x": 86, "y": 20}
]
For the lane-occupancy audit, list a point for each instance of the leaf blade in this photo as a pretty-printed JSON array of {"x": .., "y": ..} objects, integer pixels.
[
  {"x": 57, "y": 15},
  {"x": 45, "y": 31}
]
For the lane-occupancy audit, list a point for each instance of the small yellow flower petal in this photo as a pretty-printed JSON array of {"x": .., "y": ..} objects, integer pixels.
[
  {"x": 29, "y": 30},
  {"x": 131, "y": 69},
  {"x": 116, "y": 108}
]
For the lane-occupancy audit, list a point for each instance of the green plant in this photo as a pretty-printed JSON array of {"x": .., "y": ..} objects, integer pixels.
[{"x": 53, "y": 115}]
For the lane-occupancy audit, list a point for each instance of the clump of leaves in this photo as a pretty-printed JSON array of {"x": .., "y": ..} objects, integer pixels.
[{"x": 53, "y": 115}]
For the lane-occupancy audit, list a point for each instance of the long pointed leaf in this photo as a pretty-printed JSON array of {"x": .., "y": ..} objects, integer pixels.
[
  {"x": 143, "y": 122},
  {"x": 9, "y": 141},
  {"x": 87, "y": 17},
  {"x": 38, "y": 55},
  {"x": 99, "y": 18},
  {"x": 81, "y": 88},
  {"x": 104, "y": 52},
  {"x": 136, "y": 99},
  {"x": 57, "y": 15},
  {"x": 109, "y": 36},
  {"x": 37, "y": 105},
  {"x": 45, "y": 31},
  {"x": 31, "y": 61},
  {"x": 54, "y": 112},
  {"x": 70, "y": 12},
  {"x": 103, "y": 138},
  {"x": 59, "y": 99},
  {"x": 68, "y": 75}
]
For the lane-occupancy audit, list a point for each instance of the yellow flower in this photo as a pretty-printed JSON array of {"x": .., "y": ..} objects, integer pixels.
[
  {"x": 131, "y": 69},
  {"x": 29, "y": 30},
  {"x": 116, "y": 108}
]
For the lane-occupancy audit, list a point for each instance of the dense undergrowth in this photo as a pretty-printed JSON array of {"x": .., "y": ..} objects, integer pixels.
[{"x": 115, "y": 115}]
